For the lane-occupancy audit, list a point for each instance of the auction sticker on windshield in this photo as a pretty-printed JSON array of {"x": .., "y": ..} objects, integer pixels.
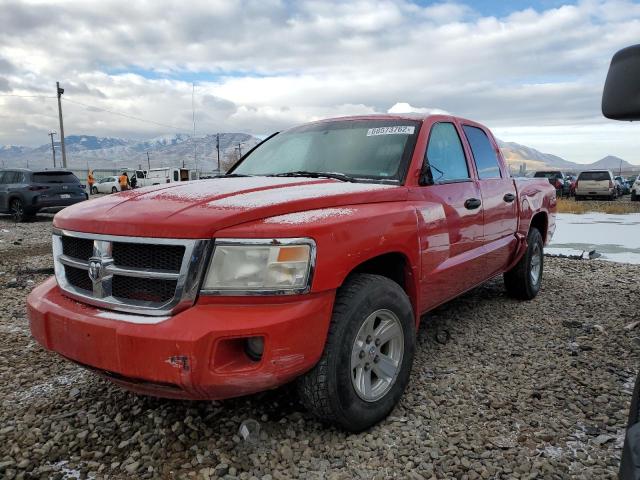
[{"x": 396, "y": 130}]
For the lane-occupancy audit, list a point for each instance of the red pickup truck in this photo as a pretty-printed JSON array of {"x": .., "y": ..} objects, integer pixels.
[{"x": 312, "y": 260}]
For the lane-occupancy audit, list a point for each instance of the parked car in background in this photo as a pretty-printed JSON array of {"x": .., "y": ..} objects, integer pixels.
[
  {"x": 596, "y": 184},
  {"x": 556, "y": 178},
  {"x": 623, "y": 185},
  {"x": 635, "y": 189},
  {"x": 107, "y": 185},
  {"x": 572, "y": 184},
  {"x": 312, "y": 263},
  {"x": 159, "y": 176},
  {"x": 24, "y": 192}
]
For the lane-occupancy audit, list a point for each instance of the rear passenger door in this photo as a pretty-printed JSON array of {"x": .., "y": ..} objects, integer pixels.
[
  {"x": 449, "y": 218},
  {"x": 499, "y": 198}
]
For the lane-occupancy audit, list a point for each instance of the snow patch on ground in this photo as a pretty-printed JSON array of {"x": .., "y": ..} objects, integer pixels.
[
  {"x": 615, "y": 237},
  {"x": 46, "y": 389},
  {"x": 309, "y": 216},
  {"x": 12, "y": 328},
  {"x": 66, "y": 472}
]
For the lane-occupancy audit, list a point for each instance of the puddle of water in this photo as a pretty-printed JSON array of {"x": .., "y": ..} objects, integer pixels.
[{"x": 615, "y": 237}]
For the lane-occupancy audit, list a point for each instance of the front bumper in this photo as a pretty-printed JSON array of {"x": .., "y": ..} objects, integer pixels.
[{"x": 195, "y": 354}]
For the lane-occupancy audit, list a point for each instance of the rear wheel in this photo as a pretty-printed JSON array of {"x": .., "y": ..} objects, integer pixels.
[
  {"x": 94, "y": 190},
  {"x": 114, "y": 190},
  {"x": 367, "y": 358},
  {"x": 523, "y": 281},
  {"x": 634, "y": 197},
  {"x": 578, "y": 198}
]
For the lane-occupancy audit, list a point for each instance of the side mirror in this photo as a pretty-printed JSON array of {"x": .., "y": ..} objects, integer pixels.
[{"x": 621, "y": 96}]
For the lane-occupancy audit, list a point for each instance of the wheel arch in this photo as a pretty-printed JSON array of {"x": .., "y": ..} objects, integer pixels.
[
  {"x": 396, "y": 266},
  {"x": 540, "y": 221}
]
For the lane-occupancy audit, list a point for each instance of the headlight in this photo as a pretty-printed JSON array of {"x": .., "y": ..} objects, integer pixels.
[{"x": 256, "y": 266}]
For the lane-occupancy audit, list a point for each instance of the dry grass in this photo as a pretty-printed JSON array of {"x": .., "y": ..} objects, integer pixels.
[{"x": 569, "y": 205}]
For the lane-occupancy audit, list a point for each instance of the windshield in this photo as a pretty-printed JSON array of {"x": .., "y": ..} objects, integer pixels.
[
  {"x": 55, "y": 177},
  {"x": 597, "y": 176},
  {"x": 363, "y": 149}
]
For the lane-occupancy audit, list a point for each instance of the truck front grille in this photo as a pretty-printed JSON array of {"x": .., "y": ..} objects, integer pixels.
[
  {"x": 136, "y": 275},
  {"x": 146, "y": 289}
]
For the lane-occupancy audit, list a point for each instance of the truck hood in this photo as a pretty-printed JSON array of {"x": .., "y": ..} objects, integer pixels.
[{"x": 199, "y": 209}]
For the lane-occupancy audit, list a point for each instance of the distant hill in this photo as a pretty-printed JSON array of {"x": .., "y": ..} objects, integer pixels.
[
  {"x": 115, "y": 153},
  {"x": 613, "y": 163},
  {"x": 176, "y": 149},
  {"x": 517, "y": 154}
]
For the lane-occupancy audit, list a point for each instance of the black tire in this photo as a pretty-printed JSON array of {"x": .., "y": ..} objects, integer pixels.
[
  {"x": 94, "y": 190},
  {"x": 578, "y": 198},
  {"x": 114, "y": 190},
  {"x": 519, "y": 282},
  {"x": 18, "y": 211},
  {"x": 328, "y": 390},
  {"x": 634, "y": 197}
]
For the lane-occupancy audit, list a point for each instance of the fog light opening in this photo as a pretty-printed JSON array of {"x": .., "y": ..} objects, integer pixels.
[{"x": 254, "y": 348}]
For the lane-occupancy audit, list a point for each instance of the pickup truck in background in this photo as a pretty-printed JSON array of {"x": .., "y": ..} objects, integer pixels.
[{"x": 312, "y": 260}]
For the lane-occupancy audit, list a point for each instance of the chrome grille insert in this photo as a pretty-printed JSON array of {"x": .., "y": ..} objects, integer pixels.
[{"x": 150, "y": 276}]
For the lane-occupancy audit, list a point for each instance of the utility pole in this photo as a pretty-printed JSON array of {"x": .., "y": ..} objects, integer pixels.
[
  {"x": 148, "y": 161},
  {"x": 60, "y": 91},
  {"x": 193, "y": 110},
  {"x": 239, "y": 151},
  {"x": 53, "y": 150},
  {"x": 218, "y": 149}
]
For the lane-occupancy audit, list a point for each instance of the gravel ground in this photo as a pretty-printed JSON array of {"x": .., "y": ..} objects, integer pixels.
[{"x": 500, "y": 389}]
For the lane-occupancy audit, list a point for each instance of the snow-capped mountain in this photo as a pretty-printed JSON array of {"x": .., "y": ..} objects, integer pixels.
[{"x": 110, "y": 153}]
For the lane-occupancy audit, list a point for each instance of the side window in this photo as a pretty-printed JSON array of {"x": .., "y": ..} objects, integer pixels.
[
  {"x": 2, "y": 175},
  {"x": 445, "y": 155},
  {"x": 11, "y": 177},
  {"x": 483, "y": 153}
]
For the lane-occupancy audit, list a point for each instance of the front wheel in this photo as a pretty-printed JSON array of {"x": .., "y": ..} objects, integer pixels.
[
  {"x": 94, "y": 190},
  {"x": 523, "y": 281},
  {"x": 114, "y": 190},
  {"x": 368, "y": 355},
  {"x": 634, "y": 197},
  {"x": 18, "y": 211}
]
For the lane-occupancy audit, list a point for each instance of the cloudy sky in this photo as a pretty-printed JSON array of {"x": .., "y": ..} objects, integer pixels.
[{"x": 531, "y": 70}]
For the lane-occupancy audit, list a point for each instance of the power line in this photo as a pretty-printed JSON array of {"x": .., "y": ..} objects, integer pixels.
[{"x": 125, "y": 115}]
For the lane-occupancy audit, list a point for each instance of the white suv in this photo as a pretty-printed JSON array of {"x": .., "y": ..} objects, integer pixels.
[
  {"x": 635, "y": 189},
  {"x": 595, "y": 183}
]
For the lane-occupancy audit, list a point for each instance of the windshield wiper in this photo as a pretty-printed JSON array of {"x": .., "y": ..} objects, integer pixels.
[
  {"x": 304, "y": 173},
  {"x": 232, "y": 175}
]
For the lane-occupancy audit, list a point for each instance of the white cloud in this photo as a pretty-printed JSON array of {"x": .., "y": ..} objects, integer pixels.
[
  {"x": 262, "y": 66},
  {"x": 403, "y": 107}
]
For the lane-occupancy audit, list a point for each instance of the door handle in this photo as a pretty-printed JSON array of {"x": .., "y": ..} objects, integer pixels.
[
  {"x": 509, "y": 197},
  {"x": 472, "y": 203}
]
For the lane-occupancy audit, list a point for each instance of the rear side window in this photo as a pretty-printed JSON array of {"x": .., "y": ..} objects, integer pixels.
[
  {"x": 55, "y": 177},
  {"x": 483, "y": 153},
  {"x": 445, "y": 155},
  {"x": 596, "y": 176},
  {"x": 2, "y": 175}
]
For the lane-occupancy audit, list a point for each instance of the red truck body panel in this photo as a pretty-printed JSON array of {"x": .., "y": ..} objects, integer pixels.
[{"x": 443, "y": 248}]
